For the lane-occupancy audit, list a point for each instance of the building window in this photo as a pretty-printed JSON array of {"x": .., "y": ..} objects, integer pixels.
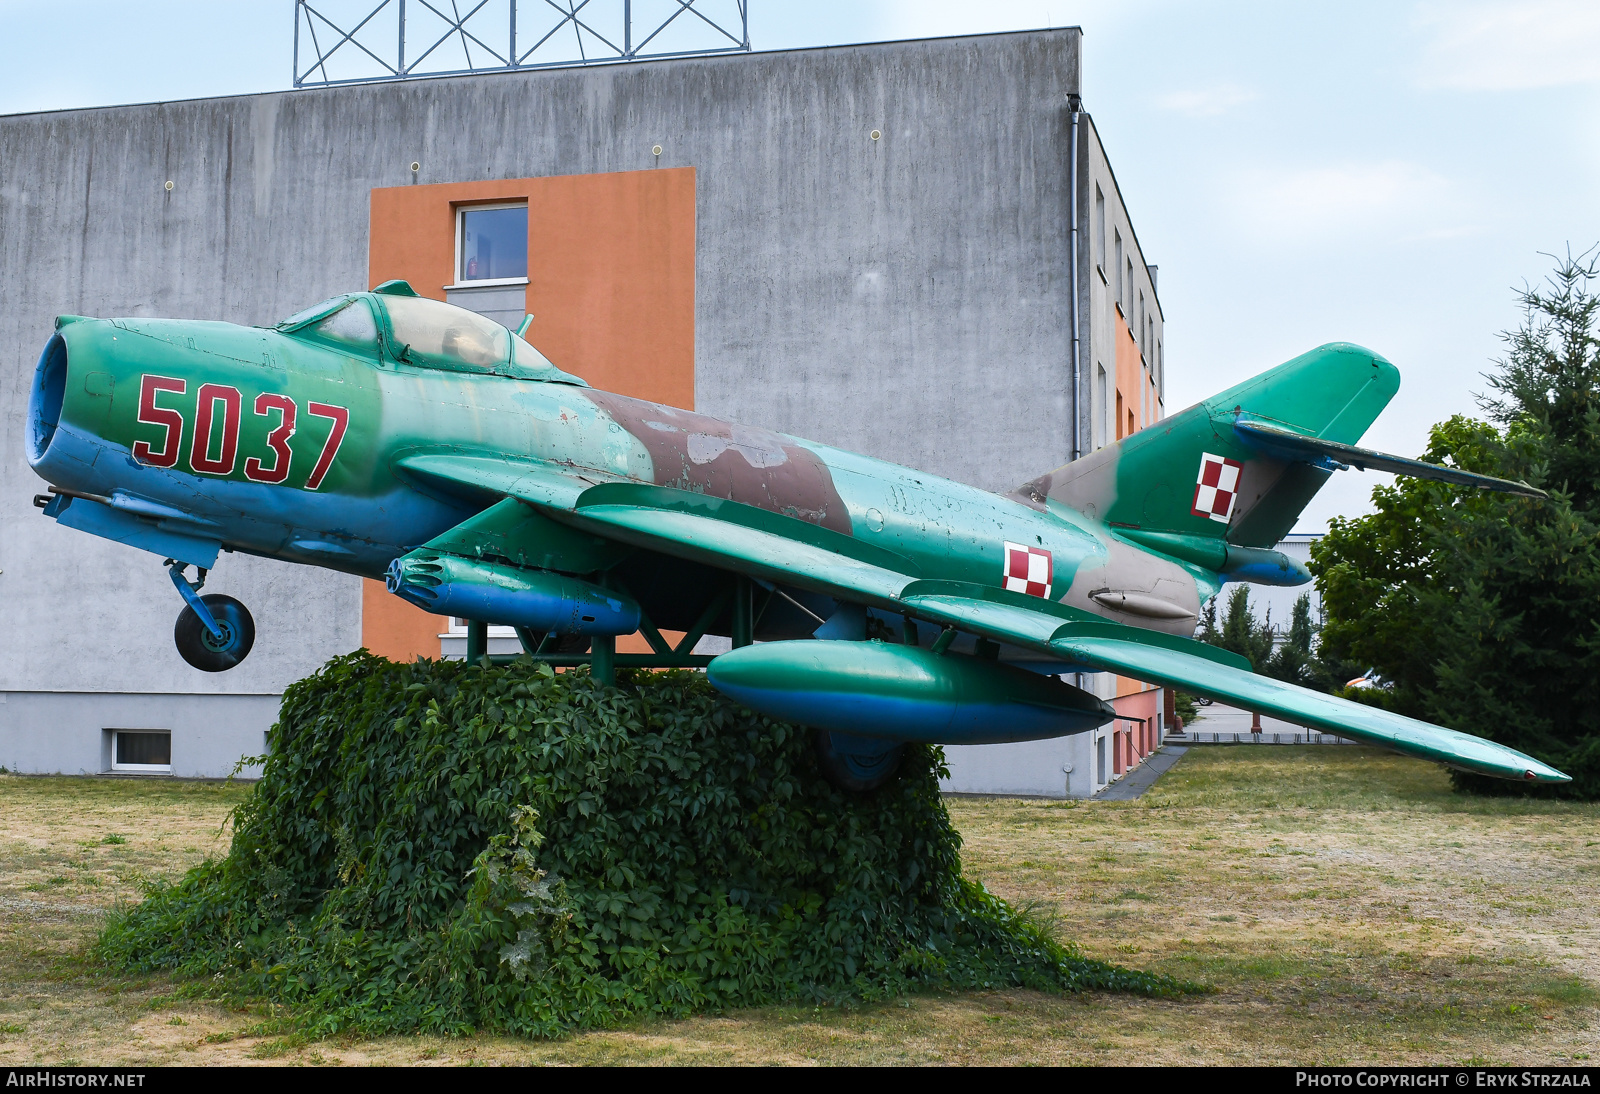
[
  {"x": 1100, "y": 228},
  {"x": 1116, "y": 237},
  {"x": 458, "y": 626},
  {"x": 145, "y": 751},
  {"x": 491, "y": 244},
  {"x": 1119, "y": 414},
  {"x": 1101, "y": 414}
]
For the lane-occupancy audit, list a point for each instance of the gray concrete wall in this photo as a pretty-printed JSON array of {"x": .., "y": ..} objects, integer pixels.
[
  {"x": 1062, "y": 768},
  {"x": 65, "y": 732}
]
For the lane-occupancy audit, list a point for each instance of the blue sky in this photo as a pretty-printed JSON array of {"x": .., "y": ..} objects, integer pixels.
[{"x": 1382, "y": 173}]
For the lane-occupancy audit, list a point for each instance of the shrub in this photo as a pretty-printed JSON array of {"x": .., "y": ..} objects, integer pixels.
[{"x": 435, "y": 846}]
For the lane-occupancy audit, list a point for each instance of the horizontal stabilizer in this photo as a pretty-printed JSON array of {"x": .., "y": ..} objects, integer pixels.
[{"x": 1285, "y": 444}]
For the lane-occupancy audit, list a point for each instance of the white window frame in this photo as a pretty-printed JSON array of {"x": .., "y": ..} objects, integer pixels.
[
  {"x": 458, "y": 629},
  {"x": 141, "y": 769},
  {"x": 1100, "y": 230},
  {"x": 461, "y": 228},
  {"x": 1100, "y": 415},
  {"x": 1116, "y": 237}
]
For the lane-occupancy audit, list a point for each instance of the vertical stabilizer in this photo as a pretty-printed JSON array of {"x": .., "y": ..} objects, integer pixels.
[{"x": 1194, "y": 475}]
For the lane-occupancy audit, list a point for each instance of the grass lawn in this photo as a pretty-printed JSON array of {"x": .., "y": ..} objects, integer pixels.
[{"x": 1343, "y": 903}]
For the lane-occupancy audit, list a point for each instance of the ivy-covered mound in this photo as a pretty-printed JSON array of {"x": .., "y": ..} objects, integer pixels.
[{"x": 443, "y": 847}]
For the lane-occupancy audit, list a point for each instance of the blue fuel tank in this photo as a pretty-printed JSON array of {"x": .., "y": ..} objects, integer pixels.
[
  {"x": 903, "y": 693},
  {"x": 510, "y": 595}
]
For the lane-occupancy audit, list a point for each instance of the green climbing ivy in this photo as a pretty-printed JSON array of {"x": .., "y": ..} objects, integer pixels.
[{"x": 441, "y": 847}]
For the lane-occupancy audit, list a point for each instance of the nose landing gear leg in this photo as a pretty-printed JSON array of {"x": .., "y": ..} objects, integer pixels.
[{"x": 213, "y": 633}]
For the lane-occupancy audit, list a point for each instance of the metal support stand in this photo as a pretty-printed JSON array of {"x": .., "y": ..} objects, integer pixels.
[
  {"x": 191, "y": 595},
  {"x": 1255, "y": 722},
  {"x": 743, "y": 612},
  {"x": 477, "y": 641},
  {"x": 603, "y": 659},
  {"x": 604, "y": 665}
]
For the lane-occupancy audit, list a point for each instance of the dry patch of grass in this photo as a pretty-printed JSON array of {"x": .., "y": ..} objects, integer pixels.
[
  {"x": 1344, "y": 904},
  {"x": 70, "y": 849}
]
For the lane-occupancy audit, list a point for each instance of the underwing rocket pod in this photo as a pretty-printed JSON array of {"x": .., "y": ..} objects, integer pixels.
[
  {"x": 509, "y": 595},
  {"x": 904, "y": 693}
]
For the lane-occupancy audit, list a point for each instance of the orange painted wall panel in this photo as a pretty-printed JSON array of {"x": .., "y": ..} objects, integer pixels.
[
  {"x": 611, "y": 287},
  {"x": 1132, "y": 403}
]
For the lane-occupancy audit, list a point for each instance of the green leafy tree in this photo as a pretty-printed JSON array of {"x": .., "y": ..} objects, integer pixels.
[{"x": 1480, "y": 608}]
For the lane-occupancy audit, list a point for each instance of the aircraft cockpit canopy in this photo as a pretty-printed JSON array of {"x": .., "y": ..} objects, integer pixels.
[{"x": 423, "y": 333}]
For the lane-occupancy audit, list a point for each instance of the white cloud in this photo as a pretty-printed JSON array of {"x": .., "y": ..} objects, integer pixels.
[
  {"x": 1509, "y": 46},
  {"x": 1392, "y": 198},
  {"x": 1207, "y": 102}
]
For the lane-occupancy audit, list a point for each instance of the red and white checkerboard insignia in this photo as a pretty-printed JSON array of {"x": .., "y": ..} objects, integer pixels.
[
  {"x": 1217, "y": 487},
  {"x": 1029, "y": 570}
]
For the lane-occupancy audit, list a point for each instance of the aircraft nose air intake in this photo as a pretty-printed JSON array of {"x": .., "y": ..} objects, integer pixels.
[{"x": 47, "y": 398}]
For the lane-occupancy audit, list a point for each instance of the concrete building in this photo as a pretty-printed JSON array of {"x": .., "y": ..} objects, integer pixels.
[{"x": 916, "y": 250}]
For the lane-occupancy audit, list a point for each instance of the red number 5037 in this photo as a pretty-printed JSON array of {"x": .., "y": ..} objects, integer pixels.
[{"x": 216, "y": 431}]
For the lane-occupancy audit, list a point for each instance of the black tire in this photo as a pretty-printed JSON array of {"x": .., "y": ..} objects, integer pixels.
[
  {"x": 853, "y": 771},
  {"x": 200, "y": 648}
]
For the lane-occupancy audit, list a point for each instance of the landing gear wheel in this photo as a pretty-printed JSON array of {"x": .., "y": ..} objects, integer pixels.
[
  {"x": 857, "y": 764},
  {"x": 202, "y": 649}
]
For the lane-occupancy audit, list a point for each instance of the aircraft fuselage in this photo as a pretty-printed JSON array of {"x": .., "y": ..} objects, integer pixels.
[{"x": 277, "y": 445}]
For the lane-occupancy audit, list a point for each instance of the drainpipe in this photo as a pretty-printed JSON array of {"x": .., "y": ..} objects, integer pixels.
[{"x": 1074, "y": 104}]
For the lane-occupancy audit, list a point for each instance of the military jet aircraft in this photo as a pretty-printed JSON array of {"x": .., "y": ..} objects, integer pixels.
[{"x": 392, "y": 436}]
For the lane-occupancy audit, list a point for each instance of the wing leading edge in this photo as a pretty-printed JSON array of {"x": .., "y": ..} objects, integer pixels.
[{"x": 752, "y": 541}]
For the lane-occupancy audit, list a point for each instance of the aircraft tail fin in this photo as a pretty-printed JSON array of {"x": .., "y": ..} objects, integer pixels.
[{"x": 1195, "y": 475}]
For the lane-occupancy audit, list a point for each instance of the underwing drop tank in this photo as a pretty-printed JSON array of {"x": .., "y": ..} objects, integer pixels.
[
  {"x": 510, "y": 595},
  {"x": 873, "y": 689}
]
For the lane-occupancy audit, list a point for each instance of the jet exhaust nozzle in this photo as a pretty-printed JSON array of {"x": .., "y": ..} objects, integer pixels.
[
  {"x": 509, "y": 595},
  {"x": 873, "y": 689}
]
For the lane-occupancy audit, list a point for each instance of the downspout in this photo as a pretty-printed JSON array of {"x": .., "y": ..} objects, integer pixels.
[{"x": 1074, "y": 103}]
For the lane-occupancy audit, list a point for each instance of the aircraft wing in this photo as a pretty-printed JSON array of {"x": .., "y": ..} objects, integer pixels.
[
  {"x": 1202, "y": 669},
  {"x": 752, "y": 541},
  {"x": 530, "y": 480},
  {"x": 1285, "y": 443},
  {"x": 727, "y": 534},
  {"x": 748, "y": 540}
]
